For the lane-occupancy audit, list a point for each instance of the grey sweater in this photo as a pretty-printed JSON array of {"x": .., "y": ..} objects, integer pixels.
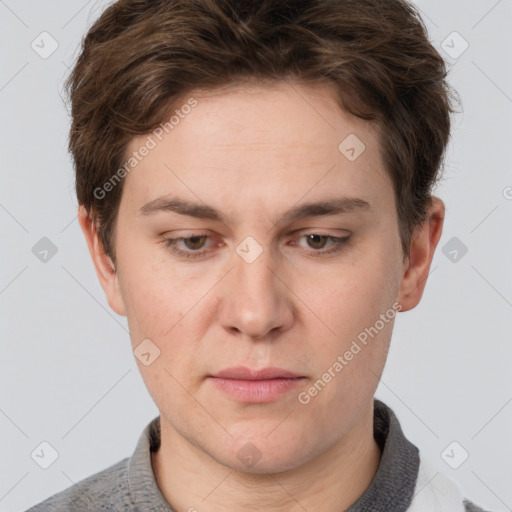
[{"x": 130, "y": 485}]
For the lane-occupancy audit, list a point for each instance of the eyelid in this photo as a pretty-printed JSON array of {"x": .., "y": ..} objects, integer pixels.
[{"x": 338, "y": 243}]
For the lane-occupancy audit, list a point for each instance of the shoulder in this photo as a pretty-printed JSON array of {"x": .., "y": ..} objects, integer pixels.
[{"x": 105, "y": 490}]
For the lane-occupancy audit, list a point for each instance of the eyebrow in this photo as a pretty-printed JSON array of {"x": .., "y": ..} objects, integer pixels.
[{"x": 334, "y": 206}]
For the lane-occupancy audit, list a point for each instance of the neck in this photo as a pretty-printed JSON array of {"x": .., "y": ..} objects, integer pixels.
[{"x": 334, "y": 480}]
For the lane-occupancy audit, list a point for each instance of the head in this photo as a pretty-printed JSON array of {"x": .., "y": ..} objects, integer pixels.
[{"x": 292, "y": 149}]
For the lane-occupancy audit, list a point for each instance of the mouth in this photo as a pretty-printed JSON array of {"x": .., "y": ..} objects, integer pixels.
[{"x": 255, "y": 386}]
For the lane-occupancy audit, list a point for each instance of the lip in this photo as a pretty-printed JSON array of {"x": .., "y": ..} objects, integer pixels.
[
  {"x": 255, "y": 386},
  {"x": 244, "y": 373}
]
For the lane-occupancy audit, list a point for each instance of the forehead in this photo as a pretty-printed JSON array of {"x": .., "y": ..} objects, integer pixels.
[{"x": 284, "y": 139}]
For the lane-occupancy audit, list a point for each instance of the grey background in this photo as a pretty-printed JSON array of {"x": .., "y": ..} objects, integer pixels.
[{"x": 68, "y": 376}]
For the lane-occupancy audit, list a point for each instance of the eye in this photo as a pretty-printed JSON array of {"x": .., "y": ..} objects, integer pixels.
[
  {"x": 318, "y": 242},
  {"x": 194, "y": 246},
  {"x": 194, "y": 242}
]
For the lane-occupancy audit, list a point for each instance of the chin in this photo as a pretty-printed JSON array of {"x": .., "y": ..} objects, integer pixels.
[{"x": 259, "y": 456}]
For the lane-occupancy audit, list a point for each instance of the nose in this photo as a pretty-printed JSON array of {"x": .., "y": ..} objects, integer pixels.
[{"x": 256, "y": 302}]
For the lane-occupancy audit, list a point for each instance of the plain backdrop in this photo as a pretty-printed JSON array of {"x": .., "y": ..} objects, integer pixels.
[{"x": 68, "y": 375}]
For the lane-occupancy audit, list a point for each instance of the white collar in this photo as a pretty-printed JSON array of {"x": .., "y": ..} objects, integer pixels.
[{"x": 435, "y": 492}]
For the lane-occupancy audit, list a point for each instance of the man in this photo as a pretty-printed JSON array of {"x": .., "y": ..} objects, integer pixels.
[{"x": 254, "y": 184}]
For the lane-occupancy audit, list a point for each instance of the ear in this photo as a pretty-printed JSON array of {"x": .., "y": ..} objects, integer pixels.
[
  {"x": 103, "y": 264},
  {"x": 424, "y": 242}
]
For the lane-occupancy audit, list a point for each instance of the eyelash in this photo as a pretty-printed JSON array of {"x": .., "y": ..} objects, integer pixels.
[{"x": 170, "y": 244}]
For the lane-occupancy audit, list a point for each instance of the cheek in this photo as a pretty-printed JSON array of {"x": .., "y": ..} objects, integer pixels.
[
  {"x": 171, "y": 309},
  {"x": 166, "y": 315},
  {"x": 154, "y": 294},
  {"x": 350, "y": 306},
  {"x": 353, "y": 297}
]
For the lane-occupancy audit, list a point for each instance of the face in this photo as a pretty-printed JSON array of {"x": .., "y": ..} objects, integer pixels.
[{"x": 263, "y": 262}]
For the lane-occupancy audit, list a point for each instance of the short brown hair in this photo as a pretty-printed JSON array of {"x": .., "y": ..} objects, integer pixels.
[{"x": 142, "y": 57}]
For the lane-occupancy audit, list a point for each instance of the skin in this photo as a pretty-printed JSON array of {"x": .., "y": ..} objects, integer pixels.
[{"x": 254, "y": 152}]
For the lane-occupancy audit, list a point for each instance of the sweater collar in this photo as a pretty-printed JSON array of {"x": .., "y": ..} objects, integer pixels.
[{"x": 392, "y": 487}]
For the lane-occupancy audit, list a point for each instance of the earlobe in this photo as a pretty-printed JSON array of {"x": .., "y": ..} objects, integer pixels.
[
  {"x": 424, "y": 242},
  {"x": 105, "y": 269}
]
